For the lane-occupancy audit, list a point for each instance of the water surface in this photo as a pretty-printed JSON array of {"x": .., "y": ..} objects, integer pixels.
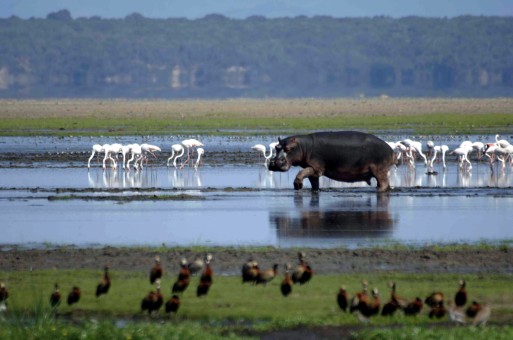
[{"x": 244, "y": 204}]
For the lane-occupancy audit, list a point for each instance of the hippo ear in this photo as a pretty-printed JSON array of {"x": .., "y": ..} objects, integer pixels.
[{"x": 291, "y": 144}]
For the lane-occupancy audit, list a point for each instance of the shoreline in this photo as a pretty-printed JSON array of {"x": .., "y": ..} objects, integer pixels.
[{"x": 228, "y": 261}]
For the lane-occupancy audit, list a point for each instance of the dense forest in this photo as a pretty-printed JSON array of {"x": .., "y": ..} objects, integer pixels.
[{"x": 61, "y": 56}]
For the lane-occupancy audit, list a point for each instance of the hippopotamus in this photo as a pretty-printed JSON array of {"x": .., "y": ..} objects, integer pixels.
[{"x": 347, "y": 156}]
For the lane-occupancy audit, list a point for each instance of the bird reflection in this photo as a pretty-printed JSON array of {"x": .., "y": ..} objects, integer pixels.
[
  {"x": 265, "y": 178},
  {"x": 185, "y": 178},
  {"x": 352, "y": 217},
  {"x": 111, "y": 178},
  {"x": 463, "y": 178}
]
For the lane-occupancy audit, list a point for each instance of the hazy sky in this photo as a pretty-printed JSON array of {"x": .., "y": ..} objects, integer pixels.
[{"x": 243, "y": 8}]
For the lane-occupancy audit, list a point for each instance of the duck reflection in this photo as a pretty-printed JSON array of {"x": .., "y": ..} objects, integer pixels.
[{"x": 353, "y": 217}]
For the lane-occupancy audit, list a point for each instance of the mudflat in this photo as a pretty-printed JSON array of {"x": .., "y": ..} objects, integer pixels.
[{"x": 228, "y": 261}]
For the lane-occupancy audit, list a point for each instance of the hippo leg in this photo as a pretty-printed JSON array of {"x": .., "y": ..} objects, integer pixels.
[
  {"x": 381, "y": 175},
  {"x": 306, "y": 172},
  {"x": 314, "y": 181}
]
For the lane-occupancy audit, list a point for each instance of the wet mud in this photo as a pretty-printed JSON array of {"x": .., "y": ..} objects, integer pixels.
[{"x": 228, "y": 261}]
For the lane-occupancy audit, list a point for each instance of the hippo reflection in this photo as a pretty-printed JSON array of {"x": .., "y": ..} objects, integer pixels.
[{"x": 349, "y": 218}]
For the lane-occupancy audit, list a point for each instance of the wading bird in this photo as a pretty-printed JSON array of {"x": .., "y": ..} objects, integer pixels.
[
  {"x": 460, "y": 299},
  {"x": 153, "y": 301},
  {"x": 200, "y": 152},
  {"x": 462, "y": 153},
  {"x": 74, "y": 295},
  {"x": 55, "y": 297},
  {"x": 97, "y": 149},
  {"x": 173, "y": 304},
  {"x": 4, "y": 295},
  {"x": 286, "y": 284},
  {"x": 184, "y": 277},
  {"x": 250, "y": 271},
  {"x": 104, "y": 285},
  {"x": 444, "y": 148},
  {"x": 303, "y": 272},
  {"x": 342, "y": 299},
  {"x": 196, "y": 266},
  {"x": 395, "y": 302},
  {"x": 158, "y": 299},
  {"x": 434, "y": 299},
  {"x": 148, "y": 149},
  {"x": 414, "y": 307},
  {"x": 477, "y": 314},
  {"x": 360, "y": 296},
  {"x": 177, "y": 152},
  {"x": 190, "y": 144},
  {"x": 137, "y": 156},
  {"x": 438, "y": 311},
  {"x": 413, "y": 146},
  {"x": 501, "y": 142},
  {"x": 266, "y": 276},
  {"x": 156, "y": 271},
  {"x": 206, "y": 278},
  {"x": 261, "y": 148},
  {"x": 367, "y": 309}
]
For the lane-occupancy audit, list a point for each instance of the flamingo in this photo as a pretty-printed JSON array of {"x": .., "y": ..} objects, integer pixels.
[
  {"x": 97, "y": 148},
  {"x": 436, "y": 149},
  {"x": 272, "y": 147},
  {"x": 200, "y": 152},
  {"x": 261, "y": 148},
  {"x": 107, "y": 149},
  {"x": 462, "y": 153},
  {"x": 466, "y": 144},
  {"x": 148, "y": 148},
  {"x": 502, "y": 142},
  {"x": 125, "y": 149},
  {"x": 416, "y": 146},
  {"x": 444, "y": 148},
  {"x": 136, "y": 151},
  {"x": 398, "y": 149},
  {"x": 479, "y": 147},
  {"x": 191, "y": 143},
  {"x": 501, "y": 153},
  {"x": 178, "y": 148}
]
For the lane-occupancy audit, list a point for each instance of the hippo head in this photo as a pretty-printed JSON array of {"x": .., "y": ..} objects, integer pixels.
[{"x": 287, "y": 153}]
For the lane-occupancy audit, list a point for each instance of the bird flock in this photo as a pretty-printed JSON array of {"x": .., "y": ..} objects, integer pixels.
[
  {"x": 364, "y": 304},
  {"x": 407, "y": 151},
  {"x": 361, "y": 303},
  {"x": 154, "y": 300},
  {"x": 140, "y": 154}
]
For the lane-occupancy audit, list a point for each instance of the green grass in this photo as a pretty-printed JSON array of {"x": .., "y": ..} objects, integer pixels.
[
  {"x": 442, "y": 123},
  {"x": 253, "y": 116},
  {"x": 232, "y": 302},
  {"x": 398, "y": 333}
]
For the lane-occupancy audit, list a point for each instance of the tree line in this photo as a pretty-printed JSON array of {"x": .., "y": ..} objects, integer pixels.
[{"x": 215, "y": 56}]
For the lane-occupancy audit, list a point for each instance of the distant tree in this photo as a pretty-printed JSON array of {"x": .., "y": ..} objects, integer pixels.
[
  {"x": 63, "y": 14},
  {"x": 216, "y": 56}
]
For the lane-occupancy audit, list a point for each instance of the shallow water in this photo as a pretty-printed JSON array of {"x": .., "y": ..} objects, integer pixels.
[{"x": 451, "y": 207}]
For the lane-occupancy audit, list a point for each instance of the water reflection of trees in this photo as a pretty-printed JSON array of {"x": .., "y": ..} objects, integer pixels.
[{"x": 350, "y": 217}]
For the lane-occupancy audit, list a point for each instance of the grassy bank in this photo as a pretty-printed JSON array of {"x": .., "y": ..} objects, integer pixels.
[
  {"x": 233, "y": 307},
  {"x": 250, "y": 116}
]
